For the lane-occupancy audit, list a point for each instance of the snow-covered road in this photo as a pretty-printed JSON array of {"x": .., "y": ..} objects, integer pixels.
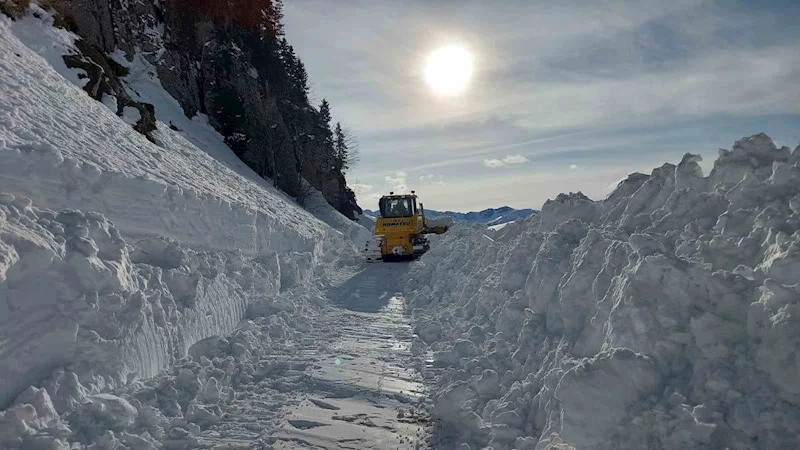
[{"x": 350, "y": 383}]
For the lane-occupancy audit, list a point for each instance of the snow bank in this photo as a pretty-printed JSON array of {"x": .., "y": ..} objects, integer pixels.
[
  {"x": 186, "y": 407},
  {"x": 664, "y": 316},
  {"x": 367, "y": 222},
  {"x": 118, "y": 253},
  {"x": 354, "y": 231},
  {"x": 112, "y": 311},
  {"x": 443, "y": 221}
]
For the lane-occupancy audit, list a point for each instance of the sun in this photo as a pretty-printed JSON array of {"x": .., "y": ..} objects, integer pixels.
[{"x": 448, "y": 70}]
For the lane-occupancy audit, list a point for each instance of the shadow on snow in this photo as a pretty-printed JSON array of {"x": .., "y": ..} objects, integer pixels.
[{"x": 371, "y": 289}]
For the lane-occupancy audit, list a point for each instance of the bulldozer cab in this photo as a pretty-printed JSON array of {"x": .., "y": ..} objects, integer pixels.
[{"x": 398, "y": 206}]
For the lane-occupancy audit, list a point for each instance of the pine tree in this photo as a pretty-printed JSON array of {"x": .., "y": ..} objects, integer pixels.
[
  {"x": 340, "y": 147},
  {"x": 325, "y": 114},
  {"x": 327, "y": 148},
  {"x": 273, "y": 18},
  {"x": 287, "y": 56},
  {"x": 295, "y": 75},
  {"x": 300, "y": 79}
]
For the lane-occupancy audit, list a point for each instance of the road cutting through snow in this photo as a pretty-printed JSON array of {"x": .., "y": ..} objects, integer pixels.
[
  {"x": 364, "y": 391},
  {"x": 350, "y": 383}
]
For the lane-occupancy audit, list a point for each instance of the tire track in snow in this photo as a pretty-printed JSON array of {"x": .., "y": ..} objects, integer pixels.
[
  {"x": 365, "y": 371},
  {"x": 360, "y": 389}
]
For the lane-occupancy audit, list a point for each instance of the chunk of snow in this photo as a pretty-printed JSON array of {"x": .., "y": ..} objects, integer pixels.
[{"x": 131, "y": 115}]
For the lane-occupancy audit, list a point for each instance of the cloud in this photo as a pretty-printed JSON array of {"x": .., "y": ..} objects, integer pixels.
[
  {"x": 361, "y": 188},
  {"x": 493, "y": 163},
  {"x": 437, "y": 180},
  {"x": 365, "y": 194},
  {"x": 515, "y": 159},
  {"x": 629, "y": 64},
  {"x": 510, "y": 159},
  {"x": 590, "y": 81},
  {"x": 573, "y": 167},
  {"x": 517, "y": 39},
  {"x": 398, "y": 182}
]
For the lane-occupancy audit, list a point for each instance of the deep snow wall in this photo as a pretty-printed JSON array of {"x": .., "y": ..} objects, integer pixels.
[
  {"x": 118, "y": 253},
  {"x": 665, "y": 316},
  {"x": 74, "y": 293}
]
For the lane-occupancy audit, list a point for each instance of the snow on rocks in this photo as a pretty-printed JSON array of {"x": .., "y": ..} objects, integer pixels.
[{"x": 664, "y": 316}]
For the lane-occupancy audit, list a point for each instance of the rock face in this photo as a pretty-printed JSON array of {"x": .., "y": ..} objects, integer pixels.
[
  {"x": 104, "y": 80},
  {"x": 213, "y": 65},
  {"x": 664, "y": 316}
]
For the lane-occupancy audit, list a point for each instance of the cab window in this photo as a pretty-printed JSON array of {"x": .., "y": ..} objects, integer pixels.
[{"x": 396, "y": 207}]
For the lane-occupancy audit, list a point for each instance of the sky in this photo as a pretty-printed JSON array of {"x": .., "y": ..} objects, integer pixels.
[{"x": 563, "y": 97}]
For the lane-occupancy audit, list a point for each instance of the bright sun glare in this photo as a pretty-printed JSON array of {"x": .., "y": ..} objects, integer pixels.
[{"x": 448, "y": 70}]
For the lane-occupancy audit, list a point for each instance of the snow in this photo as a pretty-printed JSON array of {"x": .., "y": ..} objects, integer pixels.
[
  {"x": 495, "y": 220},
  {"x": 306, "y": 369},
  {"x": 173, "y": 178},
  {"x": 366, "y": 221},
  {"x": 36, "y": 30},
  {"x": 664, "y": 316},
  {"x": 63, "y": 150},
  {"x": 143, "y": 85},
  {"x": 161, "y": 295},
  {"x": 500, "y": 226},
  {"x": 111, "y": 103},
  {"x": 354, "y": 231},
  {"x": 130, "y": 115},
  {"x": 143, "y": 285}
]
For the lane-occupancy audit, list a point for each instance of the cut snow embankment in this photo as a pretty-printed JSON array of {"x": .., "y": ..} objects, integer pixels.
[
  {"x": 118, "y": 253},
  {"x": 665, "y": 316}
]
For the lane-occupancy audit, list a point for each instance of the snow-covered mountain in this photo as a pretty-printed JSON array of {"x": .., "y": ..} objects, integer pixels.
[{"x": 490, "y": 216}]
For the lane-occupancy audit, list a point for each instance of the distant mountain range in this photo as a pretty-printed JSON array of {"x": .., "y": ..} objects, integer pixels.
[{"x": 491, "y": 216}]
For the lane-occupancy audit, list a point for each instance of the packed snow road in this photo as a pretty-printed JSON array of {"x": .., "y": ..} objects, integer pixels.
[{"x": 350, "y": 384}]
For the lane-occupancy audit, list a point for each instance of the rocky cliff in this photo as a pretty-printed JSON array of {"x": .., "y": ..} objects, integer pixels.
[{"x": 225, "y": 60}]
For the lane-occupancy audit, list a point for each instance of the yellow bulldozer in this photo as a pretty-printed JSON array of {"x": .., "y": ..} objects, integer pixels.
[{"x": 400, "y": 230}]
